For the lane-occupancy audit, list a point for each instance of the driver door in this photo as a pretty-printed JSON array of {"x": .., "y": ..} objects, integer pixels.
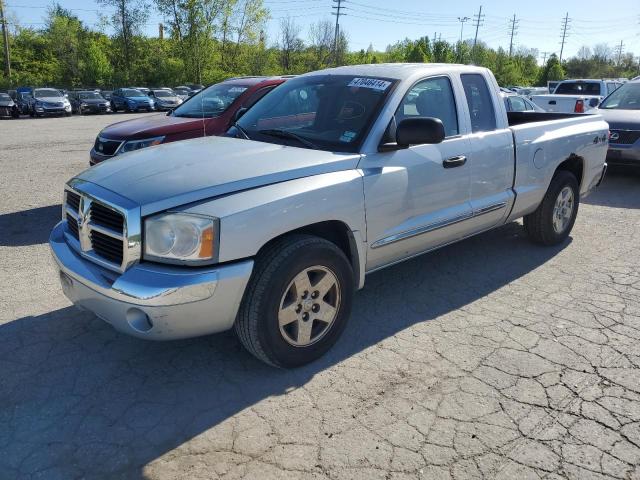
[{"x": 419, "y": 198}]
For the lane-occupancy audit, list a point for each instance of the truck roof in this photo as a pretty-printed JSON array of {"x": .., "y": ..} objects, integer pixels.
[{"x": 400, "y": 71}]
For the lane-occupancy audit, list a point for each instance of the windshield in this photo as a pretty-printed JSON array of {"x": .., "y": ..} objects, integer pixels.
[
  {"x": 626, "y": 97},
  {"x": 130, "y": 92},
  {"x": 182, "y": 91},
  {"x": 46, "y": 92},
  {"x": 163, "y": 93},
  {"x": 211, "y": 102},
  {"x": 333, "y": 112},
  {"x": 89, "y": 95},
  {"x": 578, "y": 88},
  {"x": 4, "y": 96}
]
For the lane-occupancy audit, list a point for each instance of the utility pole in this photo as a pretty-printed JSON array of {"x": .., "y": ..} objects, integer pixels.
[
  {"x": 462, "y": 20},
  {"x": 565, "y": 27},
  {"x": 514, "y": 27},
  {"x": 620, "y": 48},
  {"x": 476, "y": 23},
  {"x": 5, "y": 36},
  {"x": 161, "y": 31},
  {"x": 337, "y": 13},
  {"x": 544, "y": 57}
]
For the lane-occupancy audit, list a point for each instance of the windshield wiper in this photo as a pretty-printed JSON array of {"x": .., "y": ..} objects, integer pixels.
[
  {"x": 288, "y": 134},
  {"x": 242, "y": 131}
]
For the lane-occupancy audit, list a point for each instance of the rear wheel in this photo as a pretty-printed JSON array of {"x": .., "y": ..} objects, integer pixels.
[
  {"x": 552, "y": 222},
  {"x": 297, "y": 302}
]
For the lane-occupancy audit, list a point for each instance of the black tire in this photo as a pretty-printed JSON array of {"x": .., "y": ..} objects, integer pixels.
[
  {"x": 114, "y": 109},
  {"x": 539, "y": 224},
  {"x": 257, "y": 324}
]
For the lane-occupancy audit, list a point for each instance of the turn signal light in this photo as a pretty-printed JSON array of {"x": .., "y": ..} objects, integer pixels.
[{"x": 579, "y": 108}]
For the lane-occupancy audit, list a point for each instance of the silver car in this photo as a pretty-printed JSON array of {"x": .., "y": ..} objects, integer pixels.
[
  {"x": 48, "y": 101},
  {"x": 165, "y": 99},
  {"x": 621, "y": 110}
]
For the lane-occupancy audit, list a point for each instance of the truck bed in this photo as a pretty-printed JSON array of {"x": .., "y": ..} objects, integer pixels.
[{"x": 519, "y": 118}]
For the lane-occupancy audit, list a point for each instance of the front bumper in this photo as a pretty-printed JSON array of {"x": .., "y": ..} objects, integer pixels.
[
  {"x": 152, "y": 301},
  {"x": 624, "y": 154}
]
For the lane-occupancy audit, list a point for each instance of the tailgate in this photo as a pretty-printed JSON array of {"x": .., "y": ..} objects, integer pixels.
[{"x": 556, "y": 103}]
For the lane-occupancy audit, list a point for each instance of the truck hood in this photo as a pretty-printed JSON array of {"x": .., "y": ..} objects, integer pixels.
[
  {"x": 175, "y": 174},
  {"x": 621, "y": 119},
  {"x": 151, "y": 126}
]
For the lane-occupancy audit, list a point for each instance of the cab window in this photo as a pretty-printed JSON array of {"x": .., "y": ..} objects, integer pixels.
[
  {"x": 483, "y": 115},
  {"x": 432, "y": 97}
]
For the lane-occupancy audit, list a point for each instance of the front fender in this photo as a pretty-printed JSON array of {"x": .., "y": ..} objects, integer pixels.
[{"x": 250, "y": 219}]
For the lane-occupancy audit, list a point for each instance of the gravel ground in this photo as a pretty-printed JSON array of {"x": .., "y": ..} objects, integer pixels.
[{"x": 492, "y": 358}]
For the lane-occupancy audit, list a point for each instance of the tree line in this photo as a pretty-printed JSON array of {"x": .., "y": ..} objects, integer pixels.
[{"x": 206, "y": 41}]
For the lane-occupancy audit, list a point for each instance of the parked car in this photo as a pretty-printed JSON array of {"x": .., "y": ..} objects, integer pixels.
[
  {"x": 519, "y": 103},
  {"x": 165, "y": 99},
  {"x": 88, "y": 102},
  {"x": 211, "y": 112},
  {"x": 144, "y": 90},
  {"x": 577, "y": 96},
  {"x": 130, "y": 100},
  {"x": 195, "y": 87},
  {"x": 183, "y": 92},
  {"x": 333, "y": 175},
  {"x": 621, "y": 110},
  {"x": 22, "y": 99},
  {"x": 48, "y": 101},
  {"x": 8, "y": 107}
]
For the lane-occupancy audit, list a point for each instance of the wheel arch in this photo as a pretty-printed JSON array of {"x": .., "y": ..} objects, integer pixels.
[
  {"x": 336, "y": 232},
  {"x": 575, "y": 165}
]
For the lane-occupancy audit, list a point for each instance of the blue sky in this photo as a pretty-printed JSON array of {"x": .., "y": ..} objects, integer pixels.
[{"x": 382, "y": 22}]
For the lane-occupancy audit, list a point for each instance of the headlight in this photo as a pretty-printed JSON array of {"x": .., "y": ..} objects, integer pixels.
[
  {"x": 83, "y": 105},
  {"x": 39, "y": 103},
  {"x": 133, "y": 145},
  {"x": 181, "y": 237}
]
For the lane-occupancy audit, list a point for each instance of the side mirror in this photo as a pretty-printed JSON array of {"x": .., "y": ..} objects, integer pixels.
[
  {"x": 594, "y": 102},
  {"x": 239, "y": 113},
  {"x": 419, "y": 130}
]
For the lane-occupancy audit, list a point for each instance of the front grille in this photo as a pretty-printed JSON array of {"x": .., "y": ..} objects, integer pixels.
[
  {"x": 73, "y": 201},
  {"x": 105, "y": 217},
  {"x": 73, "y": 227},
  {"x": 107, "y": 247},
  {"x": 106, "y": 146},
  {"x": 625, "y": 137},
  {"x": 99, "y": 230}
]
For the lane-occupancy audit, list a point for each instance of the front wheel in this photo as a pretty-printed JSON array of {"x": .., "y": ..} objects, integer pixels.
[
  {"x": 552, "y": 222},
  {"x": 297, "y": 302}
]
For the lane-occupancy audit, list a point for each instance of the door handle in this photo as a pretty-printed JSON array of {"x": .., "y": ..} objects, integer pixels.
[{"x": 453, "y": 162}]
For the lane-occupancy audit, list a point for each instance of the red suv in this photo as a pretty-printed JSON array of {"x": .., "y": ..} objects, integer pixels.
[{"x": 210, "y": 112}]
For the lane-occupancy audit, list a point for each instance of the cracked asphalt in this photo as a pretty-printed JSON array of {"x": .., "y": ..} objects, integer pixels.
[{"x": 492, "y": 358}]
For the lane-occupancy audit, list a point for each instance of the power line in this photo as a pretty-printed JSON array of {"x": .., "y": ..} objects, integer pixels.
[
  {"x": 565, "y": 27},
  {"x": 514, "y": 27}
]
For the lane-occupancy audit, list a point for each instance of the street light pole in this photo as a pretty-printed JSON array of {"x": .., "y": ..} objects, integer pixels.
[{"x": 462, "y": 20}]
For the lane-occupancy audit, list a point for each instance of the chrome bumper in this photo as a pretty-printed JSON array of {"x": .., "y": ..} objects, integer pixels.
[{"x": 152, "y": 301}]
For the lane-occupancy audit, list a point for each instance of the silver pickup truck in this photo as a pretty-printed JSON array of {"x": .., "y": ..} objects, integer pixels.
[{"x": 331, "y": 176}]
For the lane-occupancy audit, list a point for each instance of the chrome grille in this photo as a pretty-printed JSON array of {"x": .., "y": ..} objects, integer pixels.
[
  {"x": 106, "y": 217},
  {"x": 98, "y": 231},
  {"x": 624, "y": 137}
]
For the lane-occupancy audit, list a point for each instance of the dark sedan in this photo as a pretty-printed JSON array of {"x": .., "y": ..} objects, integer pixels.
[
  {"x": 88, "y": 102},
  {"x": 621, "y": 110},
  {"x": 8, "y": 108}
]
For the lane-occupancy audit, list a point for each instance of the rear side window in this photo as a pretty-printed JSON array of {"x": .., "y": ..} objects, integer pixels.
[
  {"x": 431, "y": 98},
  {"x": 578, "y": 88},
  {"x": 517, "y": 105},
  {"x": 483, "y": 115}
]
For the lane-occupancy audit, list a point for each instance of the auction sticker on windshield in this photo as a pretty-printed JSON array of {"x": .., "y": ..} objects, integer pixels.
[{"x": 373, "y": 83}]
